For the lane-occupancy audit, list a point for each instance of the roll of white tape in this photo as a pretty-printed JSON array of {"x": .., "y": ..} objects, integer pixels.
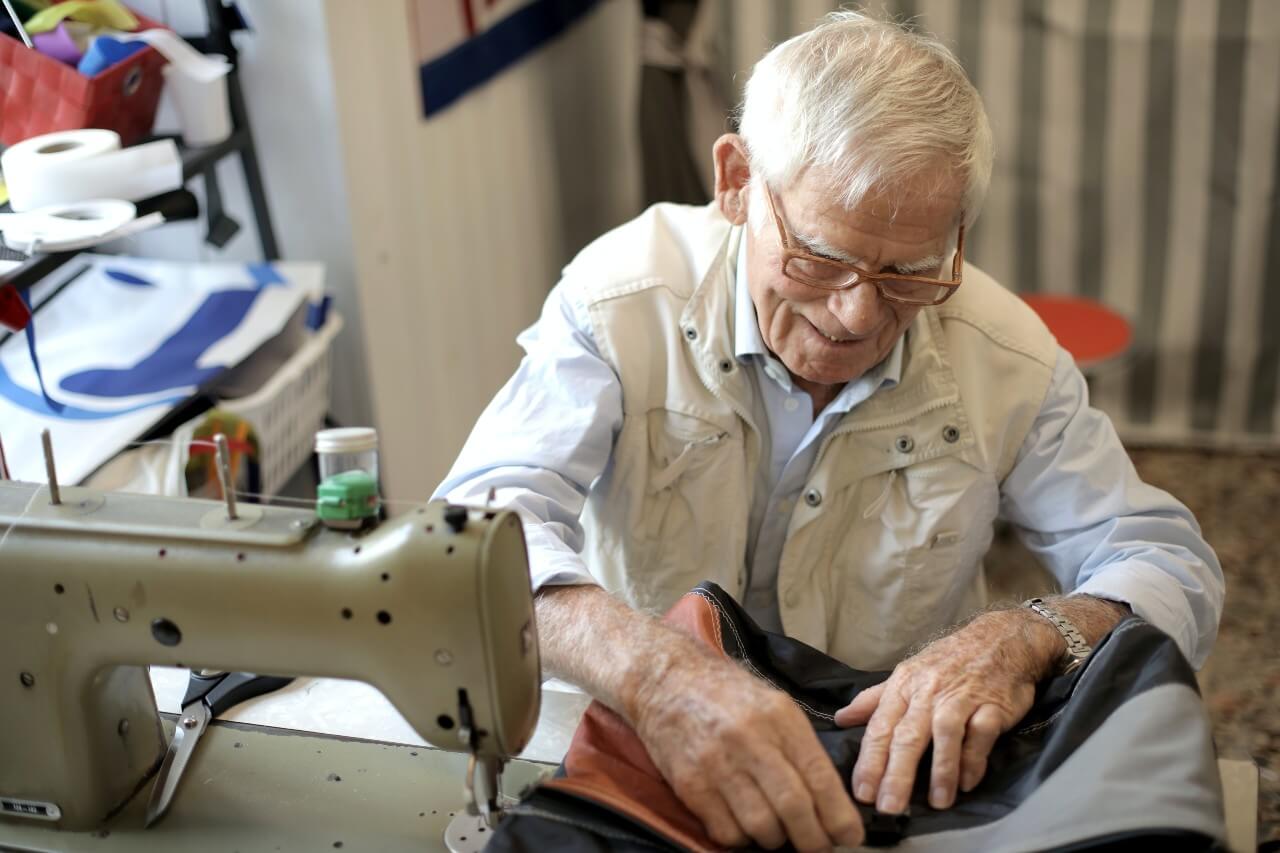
[
  {"x": 78, "y": 165},
  {"x": 63, "y": 224}
]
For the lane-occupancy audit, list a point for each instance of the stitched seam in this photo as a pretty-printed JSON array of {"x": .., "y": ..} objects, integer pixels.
[
  {"x": 626, "y": 287},
  {"x": 995, "y": 335},
  {"x": 715, "y": 621},
  {"x": 749, "y": 665},
  {"x": 1043, "y": 724}
]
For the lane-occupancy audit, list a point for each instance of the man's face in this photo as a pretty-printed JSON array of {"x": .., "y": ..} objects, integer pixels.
[{"x": 833, "y": 337}]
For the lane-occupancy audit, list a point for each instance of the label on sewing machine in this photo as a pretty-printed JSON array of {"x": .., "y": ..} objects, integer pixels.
[{"x": 13, "y": 807}]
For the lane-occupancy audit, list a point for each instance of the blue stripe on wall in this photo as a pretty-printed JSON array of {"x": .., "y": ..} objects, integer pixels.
[{"x": 478, "y": 60}]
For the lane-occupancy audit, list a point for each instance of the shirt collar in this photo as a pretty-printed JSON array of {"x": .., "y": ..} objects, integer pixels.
[{"x": 748, "y": 342}]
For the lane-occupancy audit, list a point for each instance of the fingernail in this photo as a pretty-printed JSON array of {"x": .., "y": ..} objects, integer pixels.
[
  {"x": 890, "y": 804},
  {"x": 865, "y": 792},
  {"x": 940, "y": 797}
]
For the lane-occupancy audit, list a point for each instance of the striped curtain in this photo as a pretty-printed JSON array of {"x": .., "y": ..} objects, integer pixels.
[{"x": 1138, "y": 150}]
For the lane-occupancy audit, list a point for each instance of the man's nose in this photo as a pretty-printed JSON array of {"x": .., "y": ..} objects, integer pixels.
[{"x": 860, "y": 309}]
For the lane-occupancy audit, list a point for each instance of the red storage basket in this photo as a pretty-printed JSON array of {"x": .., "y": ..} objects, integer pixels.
[{"x": 40, "y": 95}]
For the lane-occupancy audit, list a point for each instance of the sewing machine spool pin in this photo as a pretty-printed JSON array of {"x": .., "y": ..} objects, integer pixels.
[
  {"x": 224, "y": 475},
  {"x": 55, "y": 495}
]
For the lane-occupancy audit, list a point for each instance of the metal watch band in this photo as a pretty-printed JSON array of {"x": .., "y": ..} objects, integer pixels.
[{"x": 1077, "y": 648}]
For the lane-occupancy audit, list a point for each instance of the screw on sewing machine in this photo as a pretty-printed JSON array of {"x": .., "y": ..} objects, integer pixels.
[
  {"x": 455, "y": 515},
  {"x": 27, "y": 679},
  {"x": 526, "y": 639},
  {"x": 121, "y": 614},
  {"x": 165, "y": 632}
]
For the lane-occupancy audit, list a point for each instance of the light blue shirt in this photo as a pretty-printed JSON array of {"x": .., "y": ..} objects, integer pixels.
[{"x": 1073, "y": 494}]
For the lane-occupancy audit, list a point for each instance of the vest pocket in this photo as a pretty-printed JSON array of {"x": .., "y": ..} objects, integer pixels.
[
  {"x": 691, "y": 464},
  {"x": 908, "y": 565}
]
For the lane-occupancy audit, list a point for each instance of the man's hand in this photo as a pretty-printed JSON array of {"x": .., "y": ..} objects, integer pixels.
[
  {"x": 739, "y": 754},
  {"x": 743, "y": 758},
  {"x": 961, "y": 692}
]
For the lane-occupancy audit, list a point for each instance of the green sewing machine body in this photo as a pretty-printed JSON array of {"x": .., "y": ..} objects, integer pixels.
[{"x": 433, "y": 608}]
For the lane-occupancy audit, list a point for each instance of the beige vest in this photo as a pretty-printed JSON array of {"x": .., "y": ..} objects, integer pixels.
[{"x": 885, "y": 545}]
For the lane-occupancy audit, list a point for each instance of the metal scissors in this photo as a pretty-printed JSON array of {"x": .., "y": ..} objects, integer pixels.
[{"x": 209, "y": 694}]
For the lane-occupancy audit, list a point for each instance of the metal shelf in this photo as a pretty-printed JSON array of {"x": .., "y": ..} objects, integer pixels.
[{"x": 180, "y": 204}]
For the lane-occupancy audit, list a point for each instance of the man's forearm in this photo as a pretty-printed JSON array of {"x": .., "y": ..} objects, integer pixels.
[{"x": 617, "y": 654}]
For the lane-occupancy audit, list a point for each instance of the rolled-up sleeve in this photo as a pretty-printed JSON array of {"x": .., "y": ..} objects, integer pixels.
[
  {"x": 1079, "y": 505},
  {"x": 545, "y": 438}
]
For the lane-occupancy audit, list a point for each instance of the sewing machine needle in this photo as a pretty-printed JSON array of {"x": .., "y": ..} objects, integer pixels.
[{"x": 192, "y": 723}]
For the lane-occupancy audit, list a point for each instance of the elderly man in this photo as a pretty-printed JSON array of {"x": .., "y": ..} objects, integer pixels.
[{"x": 802, "y": 393}]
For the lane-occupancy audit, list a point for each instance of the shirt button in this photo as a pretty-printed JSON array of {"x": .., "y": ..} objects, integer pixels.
[
  {"x": 791, "y": 405},
  {"x": 813, "y": 497}
]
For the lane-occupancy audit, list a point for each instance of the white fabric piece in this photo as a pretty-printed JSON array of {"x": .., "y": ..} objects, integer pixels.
[
  {"x": 114, "y": 318},
  {"x": 334, "y": 706}
]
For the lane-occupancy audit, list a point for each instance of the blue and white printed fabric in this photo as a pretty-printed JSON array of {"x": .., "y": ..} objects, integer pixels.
[{"x": 126, "y": 341}]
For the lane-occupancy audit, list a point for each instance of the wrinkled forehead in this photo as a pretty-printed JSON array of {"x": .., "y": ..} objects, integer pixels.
[
  {"x": 933, "y": 196},
  {"x": 890, "y": 223}
]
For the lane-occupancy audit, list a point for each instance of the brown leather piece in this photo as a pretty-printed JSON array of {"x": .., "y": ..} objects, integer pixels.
[{"x": 607, "y": 763}]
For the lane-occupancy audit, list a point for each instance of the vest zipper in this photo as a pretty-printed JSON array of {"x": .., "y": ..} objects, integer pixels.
[{"x": 877, "y": 505}]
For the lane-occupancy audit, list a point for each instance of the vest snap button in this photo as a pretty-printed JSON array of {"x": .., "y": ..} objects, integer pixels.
[
  {"x": 904, "y": 444},
  {"x": 950, "y": 434},
  {"x": 726, "y": 366},
  {"x": 813, "y": 497},
  {"x": 691, "y": 333},
  {"x": 792, "y": 598}
]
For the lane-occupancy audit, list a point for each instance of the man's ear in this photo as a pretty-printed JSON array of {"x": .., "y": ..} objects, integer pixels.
[{"x": 733, "y": 172}]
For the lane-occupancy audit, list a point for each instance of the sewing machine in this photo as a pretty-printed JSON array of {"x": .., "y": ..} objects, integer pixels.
[{"x": 433, "y": 608}]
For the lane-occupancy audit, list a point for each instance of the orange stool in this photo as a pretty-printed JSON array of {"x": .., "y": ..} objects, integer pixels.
[{"x": 1091, "y": 332}]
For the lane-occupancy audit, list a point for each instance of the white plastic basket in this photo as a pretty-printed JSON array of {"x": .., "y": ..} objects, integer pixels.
[{"x": 286, "y": 411}]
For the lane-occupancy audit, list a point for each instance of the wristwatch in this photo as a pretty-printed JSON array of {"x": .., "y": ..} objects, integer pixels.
[{"x": 1078, "y": 650}]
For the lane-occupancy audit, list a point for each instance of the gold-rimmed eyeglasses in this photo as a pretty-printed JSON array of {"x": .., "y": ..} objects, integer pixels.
[{"x": 830, "y": 274}]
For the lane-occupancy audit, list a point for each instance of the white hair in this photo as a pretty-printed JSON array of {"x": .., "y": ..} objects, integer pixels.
[{"x": 872, "y": 105}]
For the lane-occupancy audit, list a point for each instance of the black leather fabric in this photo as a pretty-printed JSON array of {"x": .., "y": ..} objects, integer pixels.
[{"x": 1067, "y": 711}]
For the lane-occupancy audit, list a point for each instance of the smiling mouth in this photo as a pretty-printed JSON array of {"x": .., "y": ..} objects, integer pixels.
[{"x": 835, "y": 340}]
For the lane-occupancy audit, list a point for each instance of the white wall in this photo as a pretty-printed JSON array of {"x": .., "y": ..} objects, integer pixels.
[
  {"x": 288, "y": 88},
  {"x": 462, "y": 222}
]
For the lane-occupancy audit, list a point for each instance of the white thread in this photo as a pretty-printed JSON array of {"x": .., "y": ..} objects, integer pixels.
[{"x": 26, "y": 509}]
